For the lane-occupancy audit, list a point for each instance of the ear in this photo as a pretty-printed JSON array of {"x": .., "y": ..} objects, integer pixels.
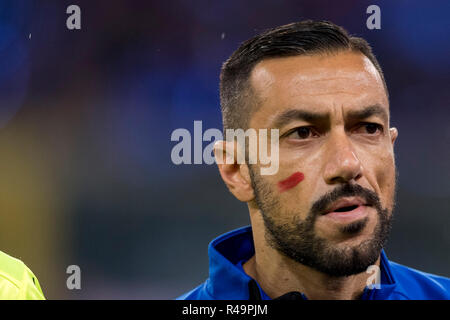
[
  {"x": 393, "y": 132},
  {"x": 236, "y": 176}
]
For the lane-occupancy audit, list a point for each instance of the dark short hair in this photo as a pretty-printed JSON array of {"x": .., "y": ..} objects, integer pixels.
[{"x": 237, "y": 99}]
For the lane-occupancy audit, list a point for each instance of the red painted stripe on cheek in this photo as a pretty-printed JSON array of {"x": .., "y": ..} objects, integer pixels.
[{"x": 291, "y": 182}]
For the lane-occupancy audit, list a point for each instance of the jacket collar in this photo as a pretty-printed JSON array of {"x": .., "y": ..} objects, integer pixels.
[{"x": 228, "y": 281}]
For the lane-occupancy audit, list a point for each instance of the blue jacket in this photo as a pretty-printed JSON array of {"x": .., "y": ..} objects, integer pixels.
[{"x": 228, "y": 281}]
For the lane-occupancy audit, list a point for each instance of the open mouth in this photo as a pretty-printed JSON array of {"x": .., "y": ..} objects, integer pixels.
[
  {"x": 347, "y": 208},
  {"x": 347, "y": 205}
]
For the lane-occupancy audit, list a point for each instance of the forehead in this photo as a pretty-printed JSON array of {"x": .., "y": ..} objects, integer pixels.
[{"x": 321, "y": 83}]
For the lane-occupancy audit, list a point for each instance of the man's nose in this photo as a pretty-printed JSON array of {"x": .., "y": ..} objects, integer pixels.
[{"x": 343, "y": 164}]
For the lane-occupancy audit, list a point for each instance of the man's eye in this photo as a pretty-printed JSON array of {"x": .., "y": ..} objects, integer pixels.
[
  {"x": 302, "y": 133},
  {"x": 370, "y": 128}
]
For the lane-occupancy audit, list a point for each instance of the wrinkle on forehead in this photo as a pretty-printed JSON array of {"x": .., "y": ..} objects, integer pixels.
[{"x": 347, "y": 73}]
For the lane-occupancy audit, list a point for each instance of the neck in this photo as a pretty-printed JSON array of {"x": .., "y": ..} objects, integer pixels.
[{"x": 277, "y": 275}]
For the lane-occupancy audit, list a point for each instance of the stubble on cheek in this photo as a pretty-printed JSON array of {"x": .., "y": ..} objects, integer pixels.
[{"x": 386, "y": 179}]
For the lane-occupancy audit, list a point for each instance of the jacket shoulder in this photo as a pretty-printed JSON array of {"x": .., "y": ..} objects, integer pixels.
[
  {"x": 198, "y": 293},
  {"x": 17, "y": 281},
  {"x": 419, "y": 285}
]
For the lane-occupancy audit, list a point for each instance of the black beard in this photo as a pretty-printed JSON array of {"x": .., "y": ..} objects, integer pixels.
[{"x": 298, "y": 241}]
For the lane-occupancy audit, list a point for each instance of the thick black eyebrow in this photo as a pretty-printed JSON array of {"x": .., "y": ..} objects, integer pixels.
[
  {"x": 296, "y": 114},
  {"x": 367, "y": 112}
]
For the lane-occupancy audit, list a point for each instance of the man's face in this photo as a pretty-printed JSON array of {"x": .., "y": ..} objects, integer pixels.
[{"x": 332, "y": 112}]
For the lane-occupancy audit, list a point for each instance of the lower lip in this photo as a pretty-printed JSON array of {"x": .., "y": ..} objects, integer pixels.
[{"x": 358, "y": 213}]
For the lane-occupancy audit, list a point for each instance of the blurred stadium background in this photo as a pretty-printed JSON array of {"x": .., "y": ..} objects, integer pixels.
[{"x": 86, "y": 118}]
